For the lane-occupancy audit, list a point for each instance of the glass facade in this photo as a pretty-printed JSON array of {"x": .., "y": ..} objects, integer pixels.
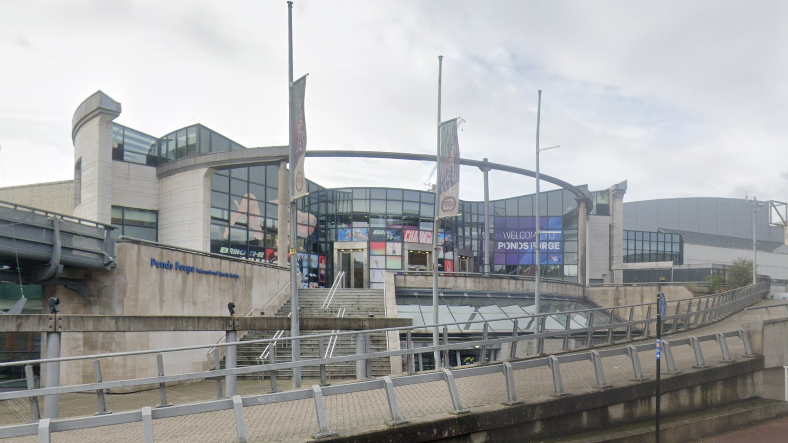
[
  {"x": 132, "y": 146},
  {"x": 641, "y": 247},
  {"x": 136, "y": 223},
  {"x": 391, "y": 228}
]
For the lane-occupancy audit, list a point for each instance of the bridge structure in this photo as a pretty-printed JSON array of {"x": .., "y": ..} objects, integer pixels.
[
  {"x": 716, "y": 353},
  {"x": 36, "y": 246}
]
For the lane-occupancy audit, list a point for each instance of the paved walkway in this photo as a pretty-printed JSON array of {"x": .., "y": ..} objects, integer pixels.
[
  {"x": 364, "y": 411},
  {"x": 773, "y": 431}
]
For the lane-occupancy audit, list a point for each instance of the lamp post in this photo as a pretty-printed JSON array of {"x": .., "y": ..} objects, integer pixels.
[
  {"x": 755, "y": 205},
  {"x": 537, "y": 299}
]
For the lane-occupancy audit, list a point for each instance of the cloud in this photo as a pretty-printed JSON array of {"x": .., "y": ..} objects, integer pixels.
[{"x": 679, "y": 98}]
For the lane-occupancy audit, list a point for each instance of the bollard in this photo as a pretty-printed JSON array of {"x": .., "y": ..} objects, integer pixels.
[
  {"x": 411, "y": 364},
  {"x": 231, "y": 362},
  {"x": 272, "y": 360},
  {"x": 599, "y": 370},
  {"x": 52, "y": 401},
  {"x": 391, "y": 396},
  {"x": 511, "y": 392},
  {"x": 321, "y": 346},
  {"x": 30, "y": 378},
  {"x": 217, "y": 365}
]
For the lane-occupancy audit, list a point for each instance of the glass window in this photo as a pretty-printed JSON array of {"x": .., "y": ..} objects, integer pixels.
[
  {"x": 378, "y": 193},
  {"x": 219, "y": 143},
  {"x": 427, "y": 210},
  {"x": 220, "y": 183},
  {"x": 272, "y": 176},
  {"x": 410, "y": 208},
  {"x": 377, "y": 206},
  {"x": 361, "y": 205},
  {"x": 191, "y": 140},
  {"x": 257, "y": 174},
  {"x": 238, "y": 187},
  {"x": 394, "y": 194},
  {"x": 359, "y": 193},
  {"x": 427, "y": 197},
  {"x": 220, "y": 200},
  {"x": 136, "y": 223},
  {"x": 180, "y": 138},
  {"x": 411, "y": 196},
  {"x": 394, "y": 207},
  {"x": 205, "y": 140}
]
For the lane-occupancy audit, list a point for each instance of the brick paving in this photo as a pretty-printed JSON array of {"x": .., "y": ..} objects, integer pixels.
[{"x": 363, "y": 411}]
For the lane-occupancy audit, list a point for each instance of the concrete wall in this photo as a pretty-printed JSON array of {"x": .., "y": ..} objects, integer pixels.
[
  {"x": 608, "y": 296},
  {"x": 586, "y": 410},
  {"x": 134, "y": 186},
  {"x": 773, "y": 265},
  {"x": 487, "y": 284},
  {"x": 599, "y": 248},
  {"x": 53, "y": 196},
  {"x": 137, "y": 288},
  {"x": 92, "y": 127},
  {"x": 185, "y": 205}
]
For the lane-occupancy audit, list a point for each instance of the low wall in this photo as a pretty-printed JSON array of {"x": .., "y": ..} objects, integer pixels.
[
  {"x": 768, "y": 338},
  {"x": 201, "y": 285},
  {"x": 598, "y": 409},
  {"x": 608, "y": 296},
  {"x": 492, "y": 283}
]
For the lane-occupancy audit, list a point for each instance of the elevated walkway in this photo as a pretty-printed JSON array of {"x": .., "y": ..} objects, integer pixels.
[{"x": 37, "y": 245}]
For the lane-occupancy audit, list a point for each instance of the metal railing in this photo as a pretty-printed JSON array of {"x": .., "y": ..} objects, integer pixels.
[
  {"x": 716, "y": 307},
  {"x": 339, "y": 281},
  {"x": 287, "y": 285},
  {"x": 480, "y": 274}
]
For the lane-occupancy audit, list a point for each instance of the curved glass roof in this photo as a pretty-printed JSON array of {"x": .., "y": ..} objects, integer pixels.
[{"x": 470, "y": 310}]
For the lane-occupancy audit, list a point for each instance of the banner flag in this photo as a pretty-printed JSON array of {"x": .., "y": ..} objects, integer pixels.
[
  {"x": 299, "y": 137},
  {"x": 449, "y": 186}
]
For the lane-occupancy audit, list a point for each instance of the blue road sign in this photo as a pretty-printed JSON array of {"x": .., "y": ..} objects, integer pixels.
[{"x": 662, "y": 307}]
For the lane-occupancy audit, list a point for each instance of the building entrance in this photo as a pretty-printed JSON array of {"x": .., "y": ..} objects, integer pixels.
[{"x": 354, "y": 263}]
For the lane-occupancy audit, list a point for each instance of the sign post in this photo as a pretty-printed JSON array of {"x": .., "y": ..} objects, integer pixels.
[{"x": 661, "y": 308}]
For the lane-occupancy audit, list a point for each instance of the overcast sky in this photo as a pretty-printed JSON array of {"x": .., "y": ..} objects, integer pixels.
[{"x": 679, "y": 98}]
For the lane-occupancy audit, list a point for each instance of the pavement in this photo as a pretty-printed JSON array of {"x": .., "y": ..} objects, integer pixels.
[
  {"x": 773, "y": 431},
  {"x": 363, "y": 411}
]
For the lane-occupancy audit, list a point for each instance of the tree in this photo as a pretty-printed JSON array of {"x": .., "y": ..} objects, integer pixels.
[
  {"x": 740, "y": 272},
  {"x": 714, "y": 282}
]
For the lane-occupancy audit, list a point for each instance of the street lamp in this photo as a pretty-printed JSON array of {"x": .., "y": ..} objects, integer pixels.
[
  {"x": 537, "y": 299},
  {"x": 755, "y": 206}
]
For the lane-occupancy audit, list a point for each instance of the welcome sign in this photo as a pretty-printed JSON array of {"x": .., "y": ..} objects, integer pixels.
[{"x": 180, "y": 267}]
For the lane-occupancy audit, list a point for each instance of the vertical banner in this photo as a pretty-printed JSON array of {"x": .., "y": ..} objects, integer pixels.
[
  {"x": 299, "y": 137},
  {"x": 449, "y": 186}
]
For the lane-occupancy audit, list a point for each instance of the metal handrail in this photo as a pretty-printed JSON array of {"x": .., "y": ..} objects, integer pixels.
[
  {"x": 277, "y": 335},
  {"x": 756, "y": 290},
  {"x": 332, "y": 341},
  {"x": 480, "y": 274},
  {"x": 287, "y": 285},
  {"x": 338, "y": 281},
  {"x": 44, "y": 427},
  {"x": 252, "y": 310}
]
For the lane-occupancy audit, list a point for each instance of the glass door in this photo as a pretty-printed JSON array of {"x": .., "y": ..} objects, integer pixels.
[{"x": 354, "y": 263}]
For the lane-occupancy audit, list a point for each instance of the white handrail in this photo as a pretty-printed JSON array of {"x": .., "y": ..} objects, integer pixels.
[
  {"x": 277, "y": 335},
  {"x": 331, "y": 292},
  {"x": 332, "y": 341},
  {"x": 252, "y": 310}
]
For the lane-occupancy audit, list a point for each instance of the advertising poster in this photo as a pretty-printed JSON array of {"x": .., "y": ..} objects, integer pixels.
[
  {"x": 514, "y": 240},
  {"x": 360, "y": 234},
  {"x": 344, "y": 234},
  {"x": 393, "y": 262},
  {"x": 377, "y": 248},
  {"x": 393, "y": 248},
  {"x": 299, "y": 137},
  {"x": 449, "y": 171}
]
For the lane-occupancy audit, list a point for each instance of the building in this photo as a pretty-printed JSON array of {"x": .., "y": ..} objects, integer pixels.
[{"x": 195, "y": 188}]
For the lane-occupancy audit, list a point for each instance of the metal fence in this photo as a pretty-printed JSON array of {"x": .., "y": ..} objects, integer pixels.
[{"x": 699, "y": 311}]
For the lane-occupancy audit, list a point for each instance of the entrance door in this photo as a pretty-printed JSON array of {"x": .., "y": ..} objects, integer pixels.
[{"x": 354, "y": 264}]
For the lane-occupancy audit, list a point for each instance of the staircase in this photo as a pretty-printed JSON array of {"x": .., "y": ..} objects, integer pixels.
[{"x": 356, "y": 303}]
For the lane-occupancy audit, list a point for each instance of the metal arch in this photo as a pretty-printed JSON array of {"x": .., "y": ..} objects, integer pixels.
[{"x": 579, "y": 194}]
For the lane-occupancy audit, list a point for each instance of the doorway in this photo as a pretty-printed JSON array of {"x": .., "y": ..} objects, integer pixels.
[
  {"x": 354, "y": 263},
  {"x": 419, "y": 261}
]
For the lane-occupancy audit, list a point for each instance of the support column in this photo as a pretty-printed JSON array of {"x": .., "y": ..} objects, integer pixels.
[
  {"x": 582, "y": 242},
  {"x": 52, "y": 402},
  {"x": 486, "y": 244},
  {"x": 231, "y": 363},
  {"x": 617, "y": 232}
]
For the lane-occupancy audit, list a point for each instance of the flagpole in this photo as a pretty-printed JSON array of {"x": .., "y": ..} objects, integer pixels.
[
  {"x": 294, "y": 322},
  {"x": 538, "y": 222},
  {"x": 437, "y": 354}
]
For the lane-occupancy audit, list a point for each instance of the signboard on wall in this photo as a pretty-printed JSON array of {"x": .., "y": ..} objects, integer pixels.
[
  {"x": 514, "y": 240},
  {"x": 415, "y": 236}
]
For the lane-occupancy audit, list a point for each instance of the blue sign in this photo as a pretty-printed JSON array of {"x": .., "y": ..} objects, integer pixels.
[
  {"x": 662, "y": 306},
  {"x": 177, "y": 266},
  {"x": 659, "y": 348}
]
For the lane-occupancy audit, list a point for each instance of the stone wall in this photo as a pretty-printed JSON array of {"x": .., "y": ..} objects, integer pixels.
[
  {"x": 609, "y": 296},
  {"x": 492, "y": 283},
  {"x": 136, "y": 287},
  {"x": 53, "y": 196}
]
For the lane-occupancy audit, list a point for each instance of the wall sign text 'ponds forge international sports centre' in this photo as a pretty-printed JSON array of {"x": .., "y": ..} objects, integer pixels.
[{"x": 188, "y": 269}]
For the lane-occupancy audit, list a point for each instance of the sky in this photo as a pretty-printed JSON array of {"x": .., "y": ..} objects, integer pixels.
[{"x": 682, "y": 99}]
